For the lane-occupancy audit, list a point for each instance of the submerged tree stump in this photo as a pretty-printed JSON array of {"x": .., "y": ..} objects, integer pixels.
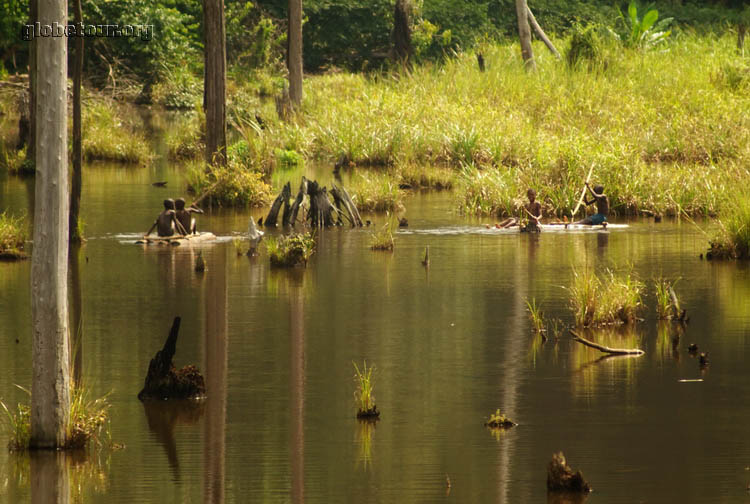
[
  {"x": 163, "y": 381},
  {"x": 561, "y": 478}
]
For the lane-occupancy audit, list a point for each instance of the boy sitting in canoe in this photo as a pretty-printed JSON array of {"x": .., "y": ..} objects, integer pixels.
[
  {"x": 533, "y": 209},
  {"x": 183, "y": 215},
  {"x": 602, "y": 207},
  {"x": 166, "y": 222}
]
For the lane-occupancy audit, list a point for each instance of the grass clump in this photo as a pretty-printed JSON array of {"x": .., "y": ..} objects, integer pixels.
[
  {"x": 375, "y": 192},
  {"x": 230, "y": 186},
  {"x": 16, "y": 161},
  {"x": 383, "y": 239},
  {"x": 363, "y": 395},
  {"x": 499, "y": 421},
  {"x": 488, "y": 192},
  {"x": 611, "y": 299},
  {"x": 286, "y": 158},
  {"x": 12, "y": 237},
  {"x": 108, "y": 137},
  {"x": 289, "y": 251},
  {"x": 732, "y": 241},
  {"x": 536, "y": 316},
  {"x": 427, "y": 176},
  {"x": 88, "y": 422},
  {"x": 584, "y": 47},
  {"x": 667, "y": 302}
]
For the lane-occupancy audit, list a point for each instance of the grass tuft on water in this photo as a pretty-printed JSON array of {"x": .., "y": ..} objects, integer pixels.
[
  {"x": 611, "y": 299},
  {"x": 290, "y": 251},
  {"x": 732, "y": 241},
  {"x": 383, "y": 238},
  {"x": 536, "y": 316},
  {"x": 499, "y": 421},
  {"x": 363, "y": 394},
  {"x": 12, "y": 237},
  {"x": 231, "y": 186}
]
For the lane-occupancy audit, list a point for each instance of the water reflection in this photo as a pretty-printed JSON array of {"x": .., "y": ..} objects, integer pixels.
[
  {"x": 164, "y": 416},
  {"x": 587, "y": 363},
  {"x": 76, "y": 318},
  {"x": 50, "y": 481},
  {"x": 668, "y": 336},
  {"x": 297, "y": 385},
  {"x": 365, "y": 430}
]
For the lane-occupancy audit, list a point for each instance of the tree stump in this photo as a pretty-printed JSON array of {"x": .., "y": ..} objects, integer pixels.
[
  {"x": 561, "y": 478},
  {"x": 163, "y": 381}
]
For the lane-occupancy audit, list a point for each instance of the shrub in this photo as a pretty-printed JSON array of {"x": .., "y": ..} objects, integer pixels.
[{"x": 288, "y": 251}]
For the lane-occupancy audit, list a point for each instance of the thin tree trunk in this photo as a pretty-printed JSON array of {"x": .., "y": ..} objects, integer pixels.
[
  {"x": 50, "y": 386},
  {"x": 401, "y": 32},
  {"x": 524, "y": 33},
  {"x": 75, "y": 188},
  {"x": 215, "y": 64},
  {"x": 540, "y": 33},
  {"x": 294, "y": 56},
  {"x": 741, "y": 32}
]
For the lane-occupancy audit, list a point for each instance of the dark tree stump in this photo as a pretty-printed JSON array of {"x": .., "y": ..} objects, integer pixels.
[
  {"x": 561, "y": 478},
  {"x": 321, "y": 209},
  {"x": 273, "y": 214},
  {"x": 163, "y": 381},
  {"x": 298, "y": 200}
]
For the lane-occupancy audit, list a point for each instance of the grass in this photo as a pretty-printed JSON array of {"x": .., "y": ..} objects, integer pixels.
[
  {"x": 12, "y": 237},
  {"x": 109, "y": 133},
  {"x": 363, "y": 395},
  {"x": 732, "y": 241},
  {"x": 499, "y": 421},
  {"x": 383, "y": 239},
  {"x": 536, "y": 316},
  {"x": 289, "y": 251},
  {"x": 374, "y": 191},
  {"x": 88, "y": 422},
  {"x": 231, "y": 186},
  {"x": 605, "y": 300},
  {"x": 427, "y": 176}
]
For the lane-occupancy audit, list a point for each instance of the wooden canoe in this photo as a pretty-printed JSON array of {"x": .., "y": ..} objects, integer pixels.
[{"x": 176, "y": 240}]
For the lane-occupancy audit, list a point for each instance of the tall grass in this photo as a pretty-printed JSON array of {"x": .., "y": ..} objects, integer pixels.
[
  {"x": 289, "y": 251},
  {"x": 363, "y": 394},
  {"x": 733, "y": 238},
  {"x": 609, "y": 299},
  {"x": 383, "y": 238},
  {"x": 12, "y": 236},
  {"x": 536, "y": 316},
  {"x": 375, "y": 192},
  {"x": 111, "y": 134},
  {"x": 231, "y": 186}
]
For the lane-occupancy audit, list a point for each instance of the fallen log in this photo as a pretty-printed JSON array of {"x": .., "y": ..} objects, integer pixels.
[
  {"x": 602, "y": 348},
  {"x": 540, "y": 33},
  {"x": 163, "y": 381}
]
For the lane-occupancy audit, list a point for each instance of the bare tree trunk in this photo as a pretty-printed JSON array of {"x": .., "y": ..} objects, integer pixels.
[
  {"x": 540, "y": 33},
  {"x": 524, "y": 32},
  {"x": 215, "y": 64},
  {"x": 50, "y": 386},
  {"x": 75, "y": 189},
  {"x": 401, "y": 32},
  {"x": 294, "y": 56},
  {"x": 741, "y": 32}
]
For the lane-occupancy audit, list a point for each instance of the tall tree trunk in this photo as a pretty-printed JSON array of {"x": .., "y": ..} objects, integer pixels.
[
  {"x": 75, "y": 188},
  {"x": 294, "y": 55},
  {"x": 50, "y": 386},
  {"x": 401, "y": 32},
  {"x": 33, "y": 18},
  {"x": 741, "y": 32},
  {"x": 524, "y": 33},
  {"x": 215, "y": 68}
]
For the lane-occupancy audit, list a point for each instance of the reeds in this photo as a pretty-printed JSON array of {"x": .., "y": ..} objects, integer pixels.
[
  {"x": 289, "y": 251},
  {"x": 611, "y": 299},
  {"x": 363, "y": 394},
  {"x": 231, "y": 186},
  {"x": 732, "y": 241},
  {"x": 536, "y": 316},
  {"x": 375, "y": 191},
  {"x": 109, "y": 134},
  {"x": 12, "y": 237},
  {"x": 383, "y": 238}
]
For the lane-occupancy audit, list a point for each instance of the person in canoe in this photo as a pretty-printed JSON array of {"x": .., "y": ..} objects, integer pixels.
[
  {"x": 602, "y": 207},
  {"x": 183, "y": 215},
  {"x": 533, "y": 211},
  {"x": 166, "y": 222}
]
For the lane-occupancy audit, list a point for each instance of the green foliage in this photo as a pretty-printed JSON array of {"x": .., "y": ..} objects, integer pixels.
[
  {"x": 185, "y": 138},
  {"x": 290, "y": 251},
  {"x": 179, "y": 89},
  {"x": 15, "y": 161},
  {"x": 231, "y": 186},
  {"x": 108, "y": 136},
  {"x": 363, "y": 395},
  {"x": 734, "y": 76},
  {"x": 287, "y": 158},
  {"x": 643, "y": 32},
  {"x": 665, "y": 306},
  {"x": 18, "y": 425},
  {"x": 375, "y": 192},
  {"x": 599, "y": 301},
  {"x": 12, "y": 236},
  {"x": 536, "y": 316},
  {"x": 254, "y": 40},
  {"x": 383, "y": 239},
  {"x": 732, "y": 241},
  {"x": 585, "y": 47},
  {"x": 499, "y": 421}
]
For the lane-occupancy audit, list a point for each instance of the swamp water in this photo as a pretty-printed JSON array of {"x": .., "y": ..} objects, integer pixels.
[{"x": 451, "y": 344}]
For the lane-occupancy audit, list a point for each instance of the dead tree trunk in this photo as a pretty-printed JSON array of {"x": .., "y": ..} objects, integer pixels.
[
  {"x": 321, "y": 209},
  {"x": 540, "y": 33},
  {"x": 215, "y": 79},
  {"x": 561, "y": 478},
  {"x": 163, "y": 381},
  {"x": 402, "y": 48},
  {"x": 287, "y": 214},
  {"x": 33, "y": 18},
  {"x": 345, "y": 205},
  {"x": 741, "y": 32},
  {"x": 24, "y": 124},
  {"x": 76, "y": 183},
  {"x": 50, "y": 385},
  {"x": 298, "y": 200},
  {"x": 294, "y": 56},
  {"x": 273, "y": 214},
  {"x": 524, "y": 33}
]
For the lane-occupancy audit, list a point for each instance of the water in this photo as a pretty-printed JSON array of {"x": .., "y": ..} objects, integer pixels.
[{"x": 451, "y": 344}]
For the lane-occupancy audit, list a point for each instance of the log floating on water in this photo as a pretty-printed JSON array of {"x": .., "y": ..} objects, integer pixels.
[{"x": 602, "y": 348}]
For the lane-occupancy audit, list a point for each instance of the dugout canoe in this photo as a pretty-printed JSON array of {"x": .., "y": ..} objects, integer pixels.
[{"x": 177, "y": 240}]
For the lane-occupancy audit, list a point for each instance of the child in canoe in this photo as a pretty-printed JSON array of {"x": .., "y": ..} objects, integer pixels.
[
  {"x": 533, "y": 211},
  {"x": 602, "y": 207},
  {"x": 166, "y": 222}
]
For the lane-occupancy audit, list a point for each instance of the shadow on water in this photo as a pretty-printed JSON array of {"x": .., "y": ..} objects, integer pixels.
[{"x": 164, "y": 416}]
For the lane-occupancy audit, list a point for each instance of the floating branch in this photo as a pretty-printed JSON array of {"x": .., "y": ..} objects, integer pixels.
[{"x": 601, "y": 348}]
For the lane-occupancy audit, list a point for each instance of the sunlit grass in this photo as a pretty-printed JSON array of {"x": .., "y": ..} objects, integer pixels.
[
  {"x": 12, "y": 236},
  {"x": 609, "y": 299},
  {"x": 374, "y": 191},
  {"x": 733, "y": 238},
  {"x": 535, "y": 316},
  {"x": 382, "y": 239},
  {"x": 363, "y": 394},
  {"x": 231, "y": 186},
  {"x": 109, "y": 134},
  {"x": 288, "y": 251}
]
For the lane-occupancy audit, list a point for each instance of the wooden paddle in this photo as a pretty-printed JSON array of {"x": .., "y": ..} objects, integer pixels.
[{"x": 583, "y": 193}]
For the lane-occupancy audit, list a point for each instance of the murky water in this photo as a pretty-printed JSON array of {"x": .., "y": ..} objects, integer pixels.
[{"x": 451, "y": 344}]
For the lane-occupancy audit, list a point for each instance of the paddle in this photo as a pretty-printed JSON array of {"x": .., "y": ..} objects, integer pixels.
[{"x": 583, "y": 192}]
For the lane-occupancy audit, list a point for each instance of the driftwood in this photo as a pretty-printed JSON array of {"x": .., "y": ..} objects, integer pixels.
[
  {"x": 540, "y": 33},
  {"x": 163, "y": 381},
  {"x": 561, "y": 478},
  {"x": 601, "y": 348}
]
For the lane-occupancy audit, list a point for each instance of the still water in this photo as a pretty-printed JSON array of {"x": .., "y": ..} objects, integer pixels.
[{"x": 451, "y": 344}]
